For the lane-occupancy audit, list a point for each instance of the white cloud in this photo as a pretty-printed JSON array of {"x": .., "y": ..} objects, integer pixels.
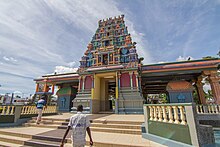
[
  {"x": 64, "y": 69},
  {"x": 6, "y": 58},
  {"x": 180, "y": 58},
  {"x": 71, "y": 64},
  {"x": 10, "y": 59}
]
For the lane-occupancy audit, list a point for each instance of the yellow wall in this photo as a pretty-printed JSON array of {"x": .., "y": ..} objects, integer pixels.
[{"x": 97, "y": 87}]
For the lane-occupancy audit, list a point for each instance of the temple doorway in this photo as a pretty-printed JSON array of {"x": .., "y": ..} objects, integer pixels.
[
  {"x": 107, "y": 94},
  {"x": 104, "y": 93},
  {"x": 111, "y": 95}
]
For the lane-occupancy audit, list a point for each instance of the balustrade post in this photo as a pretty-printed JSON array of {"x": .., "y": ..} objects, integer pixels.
[
  {"x": 22, "y": 111},
  {"x": 170, "y": 114},
  {"x": 3, "y": 110},
  {"x": 151, "y": 112},
  {"x": 213, "y": 108},
  {"x": 201, "y": 108},
  {"x": 155, "y": 113},
  {"x": 216, "y": 109},
  {"x": 197, "y": 109},
  {"x": 159, "y": 113},
  {"x": 25, "y": 107},
  {"x": 182, "y": 115},
  {"x": 209, "y": 109},
  {"x": 176, "y": 116},
  {"x": 164, "y": 114},
  {"x": 205, "y": 108},
  {"x": 12, "y": 110},
  {"x": 8, "y": 110}
]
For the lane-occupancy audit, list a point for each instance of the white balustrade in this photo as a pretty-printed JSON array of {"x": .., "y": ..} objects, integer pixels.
[
  {"x": 208, "y": 109},
  {"x": 32, "y": 110},
  {"x": 7, "y": 110},
  {"x": 168, "y": 113}
]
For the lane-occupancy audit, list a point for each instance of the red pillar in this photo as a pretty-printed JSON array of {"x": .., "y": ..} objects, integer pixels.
[
  {"x": 53, "y": 88},
  {"x": 200, "y": 90},
  {"x": 37, "y": 87},
  {"x": 214, "y": 82}
]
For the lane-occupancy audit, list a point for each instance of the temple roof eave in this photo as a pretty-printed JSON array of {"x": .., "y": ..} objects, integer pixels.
[
  {"x": 58, "y": 77},
  {"x": 198, "y": 65}
]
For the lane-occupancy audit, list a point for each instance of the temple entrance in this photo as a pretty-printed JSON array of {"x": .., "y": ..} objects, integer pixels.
[
  {"x": 111, "y": 95},
  {"x": 104, "y": 92}
]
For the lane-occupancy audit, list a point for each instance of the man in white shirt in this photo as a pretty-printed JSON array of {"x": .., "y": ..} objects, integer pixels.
[{"x": 79, "y": 124}]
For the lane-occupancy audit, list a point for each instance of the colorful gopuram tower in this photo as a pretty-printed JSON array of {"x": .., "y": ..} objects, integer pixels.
[{"x": 108, "y": 72}]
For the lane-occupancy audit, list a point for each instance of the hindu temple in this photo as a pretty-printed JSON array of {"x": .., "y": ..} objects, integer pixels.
[{"x": 111, "y": 77}]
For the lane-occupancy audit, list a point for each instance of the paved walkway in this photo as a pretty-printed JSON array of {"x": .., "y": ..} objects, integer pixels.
[{"x": 108, "y": 139}]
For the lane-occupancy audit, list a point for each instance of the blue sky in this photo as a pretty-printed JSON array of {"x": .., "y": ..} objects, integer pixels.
[{"x": 38, "y": 37}]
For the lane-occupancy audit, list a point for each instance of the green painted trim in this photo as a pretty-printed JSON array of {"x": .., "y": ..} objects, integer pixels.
[
  {"x": 170, "y": 104},
  {"x": 175, "y": 132},
  {"x": 7, "y": 118}
]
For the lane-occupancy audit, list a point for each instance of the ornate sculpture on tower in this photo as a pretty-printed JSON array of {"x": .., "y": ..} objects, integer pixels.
[{"x": 110, "y": 46}]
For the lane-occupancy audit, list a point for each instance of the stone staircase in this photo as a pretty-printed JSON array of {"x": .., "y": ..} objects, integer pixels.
[
  {"x": 125, "y": 127},
  {"x": 130, "y": 101},
  {"x": 83, "y": 98},
  {"x": 105, "y": 133}
]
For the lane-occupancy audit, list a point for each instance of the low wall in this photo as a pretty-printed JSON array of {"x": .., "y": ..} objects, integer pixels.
[
  {"x": 170, "y": 131},
  {"x": 206, "y": 135},
  {"x": 6, "y": 118},
  {"x": 179, "y": 122},
  {"x": 10, "y": 114}
]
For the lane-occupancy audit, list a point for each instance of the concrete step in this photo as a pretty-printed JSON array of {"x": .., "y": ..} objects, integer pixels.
[
  {"x": 41, "y": 143},
  {"x": 54, "y": 126},
  {"x": 94, "y": 124},
  {"x": 53, "y": 137},
  {"x": 97, "y": 129},
  {"x": 52, "y": 119},
  {"x": 7, "y": 144},
  {"x": 104, "y": 121},
  {"x": 114, "y": 130},
  {"x": 101, "y": 121},
  {"x": 15, "y": 134},
  {"x": 122, "y": 126},
  {"x": 13, "y": 139}
]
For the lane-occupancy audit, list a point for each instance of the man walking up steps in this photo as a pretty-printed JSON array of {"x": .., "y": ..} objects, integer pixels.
[{"x": 80, "y": 125}]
